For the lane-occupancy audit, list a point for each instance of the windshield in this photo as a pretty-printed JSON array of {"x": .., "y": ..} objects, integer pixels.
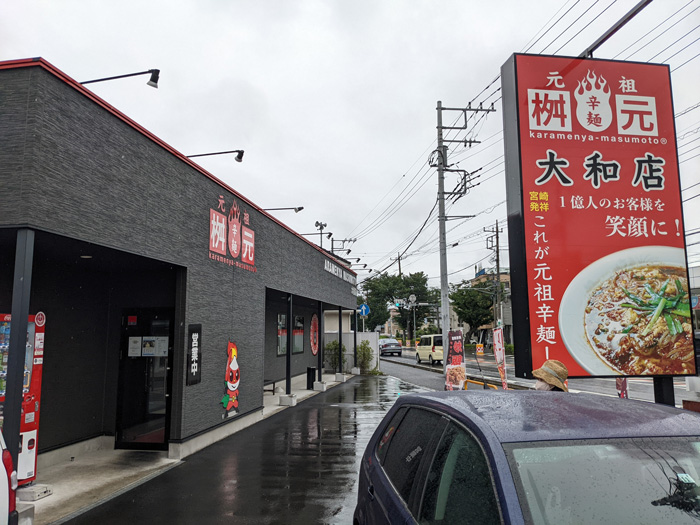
[
  {"x": 644, "y": 480},
  {"x": 389, "y": 342}
]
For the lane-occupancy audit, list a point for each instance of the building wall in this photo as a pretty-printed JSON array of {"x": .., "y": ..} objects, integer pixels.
[
  {"x": 331, "y": 320},
  {"x": 276, "y": 364},
  {"x": 69, "y": 166}
]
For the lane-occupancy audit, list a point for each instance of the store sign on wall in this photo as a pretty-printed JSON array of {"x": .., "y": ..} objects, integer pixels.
[
  {"x": 231, "y": 240},
  {"x": 602, "y": 226},
  {"x": 339, "y": 272},
  {"x": 194, "y": 354}
]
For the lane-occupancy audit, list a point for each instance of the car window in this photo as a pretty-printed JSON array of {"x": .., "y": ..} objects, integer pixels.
[
  {"x": 424, "y": 341},
  {"x": 407, "y": 447},
  {"x": 383, "y": 444},
  {"x": 459, "y": 487},
  {"x": 640, "y": 480},
  {"x": 438, "y": 340}
]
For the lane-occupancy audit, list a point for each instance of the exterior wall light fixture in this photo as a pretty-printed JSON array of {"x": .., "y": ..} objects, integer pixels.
[
  {"x": 238, "y": 152},
  {"x": 153, "y": 81}
]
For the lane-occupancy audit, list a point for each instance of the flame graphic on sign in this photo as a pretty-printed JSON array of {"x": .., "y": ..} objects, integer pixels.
[
  {"x": 593, "y": 109},
  {"x": 234, "y": 230}
]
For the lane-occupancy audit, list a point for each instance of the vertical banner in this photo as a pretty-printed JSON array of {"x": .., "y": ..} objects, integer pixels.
[
  {"x": 499, "y": 352},
  {"x": 194, "y": 354},
  {"x": 455, "y": 371},
  {"x": 594, "y": 208},
  {"x": 621, "y": 386},
  {"x": 313, "y": 334}
]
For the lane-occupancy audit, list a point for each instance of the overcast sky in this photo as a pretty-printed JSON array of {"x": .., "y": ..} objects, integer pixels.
[{"x": 334, "y": 101}]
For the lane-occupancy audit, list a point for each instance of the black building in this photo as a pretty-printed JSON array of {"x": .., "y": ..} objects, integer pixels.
[{"x": 159, "y": 283}]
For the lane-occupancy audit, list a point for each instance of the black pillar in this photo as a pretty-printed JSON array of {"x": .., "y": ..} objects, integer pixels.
[
  {"x": 355, "y": 340},
  {"x": 21, "y": 291},
  {"x": 290, "y": 341},
  {"x": 321, "y": 342},
  {"x": 663, "y": 391},
  {"x": 340, "y": 339}
]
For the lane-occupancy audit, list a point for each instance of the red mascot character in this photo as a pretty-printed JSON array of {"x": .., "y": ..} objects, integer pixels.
[{"x": 233, "y": 379}]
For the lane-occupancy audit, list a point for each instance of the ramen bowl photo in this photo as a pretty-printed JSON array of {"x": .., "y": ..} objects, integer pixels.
[{"x": 629, "y": 314}]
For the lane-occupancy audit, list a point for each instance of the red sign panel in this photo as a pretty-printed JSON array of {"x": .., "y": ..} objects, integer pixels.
[
  {"x": 314, "y": 334},
  {"x": 600, "y": 202},
  {"x": 231, "y": 240}
]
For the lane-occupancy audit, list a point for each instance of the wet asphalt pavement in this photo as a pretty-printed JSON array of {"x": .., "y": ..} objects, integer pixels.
[{"x": 299, "y": 466}]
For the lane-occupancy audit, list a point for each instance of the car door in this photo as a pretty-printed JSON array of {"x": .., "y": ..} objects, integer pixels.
[
  {"x": 395, "y": 482},
  {"x": 422, "y": 345},
  {"x": 459, "y": 486}
]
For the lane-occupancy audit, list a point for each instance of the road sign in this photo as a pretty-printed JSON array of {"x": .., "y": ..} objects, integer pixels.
[{"x": 364, "y": 310}]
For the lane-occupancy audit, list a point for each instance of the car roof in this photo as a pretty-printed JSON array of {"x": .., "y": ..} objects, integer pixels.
[{"x": 517, "y": 416}]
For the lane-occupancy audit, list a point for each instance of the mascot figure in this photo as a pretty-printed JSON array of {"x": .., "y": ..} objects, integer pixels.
[{"x": 233, "y": 379}]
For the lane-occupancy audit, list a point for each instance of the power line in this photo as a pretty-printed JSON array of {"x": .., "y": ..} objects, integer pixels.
[
  {"x": 586, "y": 26},
  {"x": 570, "y": 25},
  {"x": 674, "y": 43},
  {"x": 654, "y": 29}
]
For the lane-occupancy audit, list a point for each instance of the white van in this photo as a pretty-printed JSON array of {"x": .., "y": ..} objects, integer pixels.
[{"x": 429, "y": 349}]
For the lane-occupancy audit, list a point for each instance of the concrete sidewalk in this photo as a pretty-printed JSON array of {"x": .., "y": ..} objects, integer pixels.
[{"x": 81, "y": 480}]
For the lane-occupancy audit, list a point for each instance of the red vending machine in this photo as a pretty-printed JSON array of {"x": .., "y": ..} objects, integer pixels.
[{"x": 31, "y": 391}]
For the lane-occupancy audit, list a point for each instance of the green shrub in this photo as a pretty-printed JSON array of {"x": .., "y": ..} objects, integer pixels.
[
  {"x": 330, "y": 354},
  {"x": 364, "y": 356}
]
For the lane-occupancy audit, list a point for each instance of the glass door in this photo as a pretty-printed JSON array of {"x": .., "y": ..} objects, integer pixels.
[{"x": 144, "y": 365}]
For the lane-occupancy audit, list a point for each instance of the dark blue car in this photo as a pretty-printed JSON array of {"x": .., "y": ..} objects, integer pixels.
[{"x": 530, "y": 457}]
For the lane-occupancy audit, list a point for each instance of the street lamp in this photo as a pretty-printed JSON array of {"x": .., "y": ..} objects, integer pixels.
[
  {"x": 153, "y": 81},
  {"x": 296, "y": 209},
  {"x": 238, "y": 152}
]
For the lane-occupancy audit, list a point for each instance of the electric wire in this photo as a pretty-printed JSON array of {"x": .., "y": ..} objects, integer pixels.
[
  {"x": 530, "y": 46},
  {"x": 586, "y": 26},
  {"x": 686, "y": 62},
  {"x": 570, "y": 25},
  {"x": 674, "y": 43},
  {"x": 654, "y": 29}
]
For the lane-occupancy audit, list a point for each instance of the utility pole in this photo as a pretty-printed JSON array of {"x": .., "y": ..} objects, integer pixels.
[
  {"x": 398, "y": 258},
  {"x": 442, "y": 166},
  {"x": 497, "y": 318},
  {"x": 444, "y": 294}
]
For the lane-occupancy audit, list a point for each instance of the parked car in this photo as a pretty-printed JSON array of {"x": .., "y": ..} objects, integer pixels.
[
  {"x": 390, "y": 346},
  {"x": 8, "y": 486},
  {"x": 429, "y": 349},
  {"x": 530, "y": 457}
]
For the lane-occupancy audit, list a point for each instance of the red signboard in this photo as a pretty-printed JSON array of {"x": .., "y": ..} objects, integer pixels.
[
  {"x": 230, "y": 237},
  {"x": 601, "y": 229},
  {"x": 455, "y": 370}
]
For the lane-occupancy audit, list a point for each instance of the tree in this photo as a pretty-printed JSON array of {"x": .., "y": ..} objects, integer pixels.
[
  {"x": 473, "y": 304},
  {"x": 378, "y": 292},
  {"x": 384, "y": 290}
]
